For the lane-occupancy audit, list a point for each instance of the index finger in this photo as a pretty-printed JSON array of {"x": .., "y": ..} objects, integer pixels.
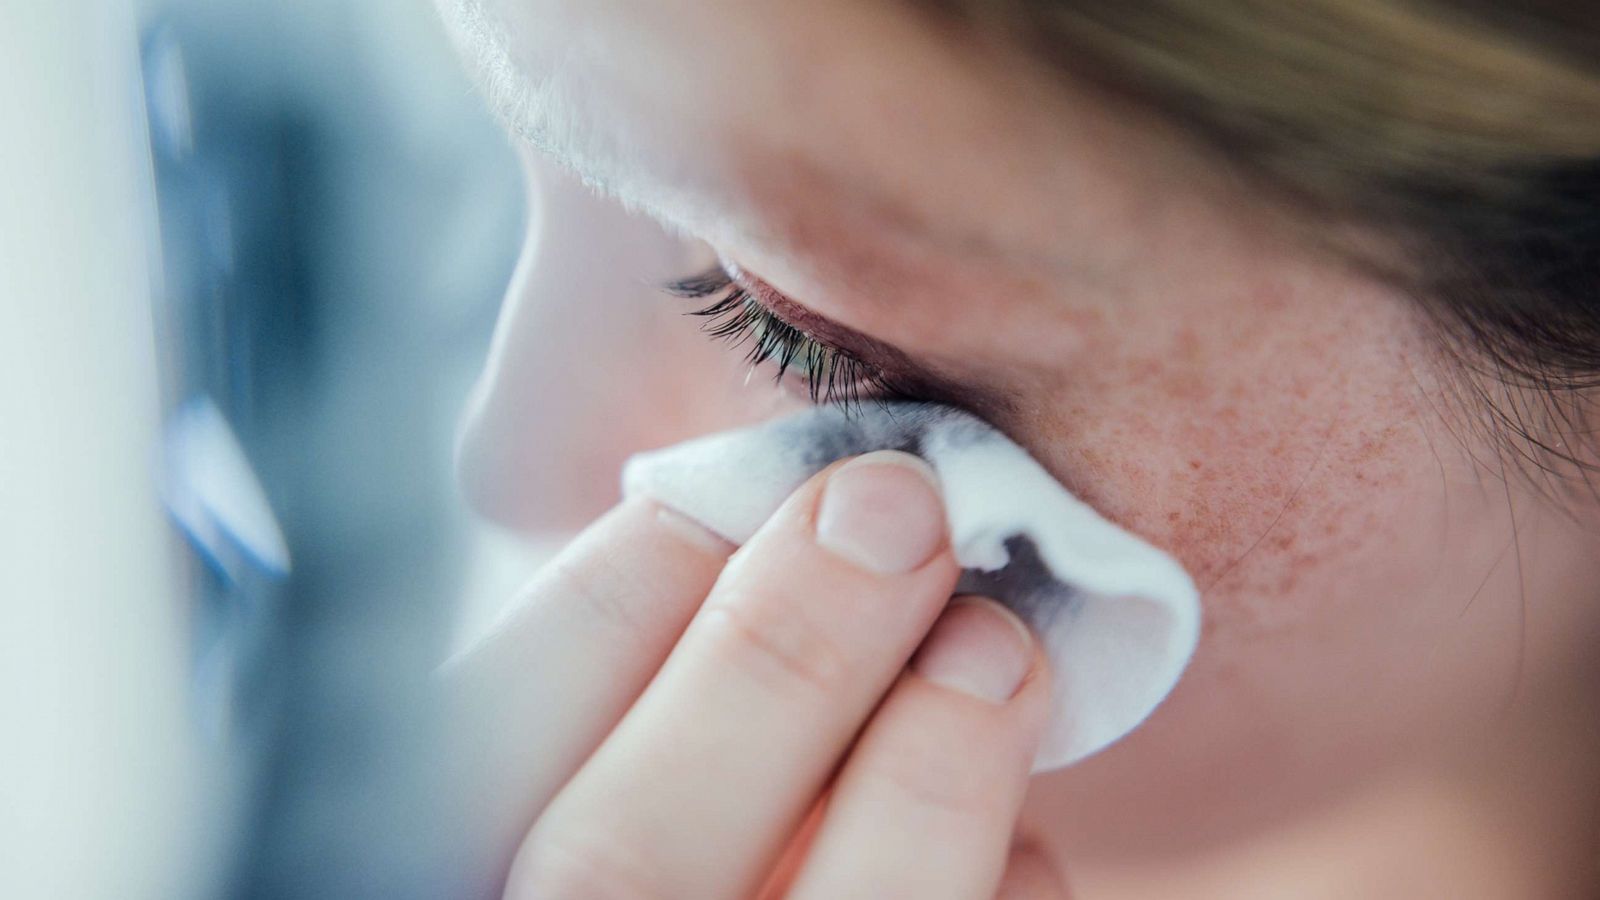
[{"x": 536, "y": 695}]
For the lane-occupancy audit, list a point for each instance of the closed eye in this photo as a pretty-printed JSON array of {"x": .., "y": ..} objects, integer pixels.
[{"x": 831, "y": 374}]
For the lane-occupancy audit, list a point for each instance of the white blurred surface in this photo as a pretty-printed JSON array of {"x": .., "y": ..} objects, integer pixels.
[{"x": 102, "y": 786}]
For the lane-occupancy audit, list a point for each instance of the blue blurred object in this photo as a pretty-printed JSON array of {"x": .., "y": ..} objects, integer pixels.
[
  {"x": 215, "y": 497},
  {"x": 338, "y": 218}
]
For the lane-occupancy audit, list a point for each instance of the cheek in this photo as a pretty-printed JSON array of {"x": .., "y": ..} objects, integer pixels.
[
  {"x": 1270, "y": 446},
  {"x": 1297, "y": 468},
  {"x": 1337, "y": 532}
]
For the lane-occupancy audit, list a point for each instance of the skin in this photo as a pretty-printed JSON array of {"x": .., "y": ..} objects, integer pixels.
[
  {"x": 1396, "y": 671},
  {"x": 733, "y": 695}
]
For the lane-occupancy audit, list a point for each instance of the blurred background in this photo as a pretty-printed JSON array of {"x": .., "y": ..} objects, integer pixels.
[{"x": 251, "y": 255}]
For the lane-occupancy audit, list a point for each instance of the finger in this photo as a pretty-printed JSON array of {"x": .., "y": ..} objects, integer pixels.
[
  {"x": 926, "y": 804},
  {"x": 539, "y": 693},
  {"x": 705, "y": 779},
  {"x": 781, "y": 878},
  {"x": 1030, "y": 876}
]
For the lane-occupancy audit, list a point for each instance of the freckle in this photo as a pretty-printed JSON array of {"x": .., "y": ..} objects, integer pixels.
[
  {"x": 1172, "y": 517},
  {"x": 1188, "y": 344},
  {"x": 1304, "y": 562}
]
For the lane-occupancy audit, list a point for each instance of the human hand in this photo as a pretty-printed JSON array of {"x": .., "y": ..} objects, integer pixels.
[{"x": 670, "y": 721}]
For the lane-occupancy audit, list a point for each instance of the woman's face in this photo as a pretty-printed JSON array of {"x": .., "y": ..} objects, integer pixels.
[{"x": 1375, "y": 593}]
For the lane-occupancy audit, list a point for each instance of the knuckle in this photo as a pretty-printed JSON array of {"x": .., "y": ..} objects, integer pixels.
[
  {"x": 570, "y": 868},
  {"x": 604, "y": 590},
  {"x": 928, "y": 777},
  {"x": 773, "y": 643}
]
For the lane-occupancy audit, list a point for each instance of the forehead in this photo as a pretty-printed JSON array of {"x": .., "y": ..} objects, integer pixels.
[{"x": 802, "y": 121}]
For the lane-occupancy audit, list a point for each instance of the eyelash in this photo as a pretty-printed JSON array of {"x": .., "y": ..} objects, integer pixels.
[{"x": 833, "y": 376}]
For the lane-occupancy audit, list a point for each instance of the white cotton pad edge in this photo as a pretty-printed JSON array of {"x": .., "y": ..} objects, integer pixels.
[{"x": 1119, "y": 621}]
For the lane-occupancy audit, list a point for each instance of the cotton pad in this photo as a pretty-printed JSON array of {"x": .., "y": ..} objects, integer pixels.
[{"x": 1118, "y": 618}]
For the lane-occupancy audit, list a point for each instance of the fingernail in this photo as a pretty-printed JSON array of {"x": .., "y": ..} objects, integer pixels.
[
  {"x": 882, "y": 512},
  {"x": 977, "y": 647}
]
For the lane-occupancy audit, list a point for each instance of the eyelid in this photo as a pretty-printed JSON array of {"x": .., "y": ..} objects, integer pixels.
[
  {"x": 885, "y": 357},
  {"x": 834, "y": 375},
  {"x": 905, "y": 376}
]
